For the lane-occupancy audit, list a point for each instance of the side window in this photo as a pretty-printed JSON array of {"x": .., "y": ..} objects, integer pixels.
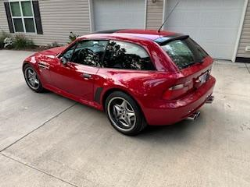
[
  {"x": 88, "y": 52},
  {"x": 68, "y": 54},
  {"x": 124, "y": 55}
]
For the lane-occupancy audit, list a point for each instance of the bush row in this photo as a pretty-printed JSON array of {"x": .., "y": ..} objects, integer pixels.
[{"x": 18, "y": 41}]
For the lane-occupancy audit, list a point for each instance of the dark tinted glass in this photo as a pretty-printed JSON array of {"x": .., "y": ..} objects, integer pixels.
[
  {"x": 184, "y": 53},
  {"x": 68, "y": 54},
  {"x": 15, "y": 9},
  {"x": 87, "y": 53},
  {"x": 26, "y": 8},
  {"x": 18, "y": 25},
  {"x": 199, "y": 53},
  {"x": 124, "y": 55},
  {"x": 29, "y": 24}
]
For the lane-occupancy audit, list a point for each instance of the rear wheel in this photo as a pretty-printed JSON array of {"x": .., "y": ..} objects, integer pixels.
[
  {"x": 32, "y": 79},
  {"x": 124, "y": 113}
]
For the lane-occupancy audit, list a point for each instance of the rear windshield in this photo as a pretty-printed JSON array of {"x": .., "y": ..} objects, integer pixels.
[{"x": 184, "y": 52}]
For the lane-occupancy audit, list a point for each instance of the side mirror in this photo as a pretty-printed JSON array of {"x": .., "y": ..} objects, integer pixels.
[{"x": 63, "y": 60}]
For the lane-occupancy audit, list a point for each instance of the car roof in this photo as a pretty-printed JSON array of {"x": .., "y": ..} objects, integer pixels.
[{"x": 132, "y": 33}]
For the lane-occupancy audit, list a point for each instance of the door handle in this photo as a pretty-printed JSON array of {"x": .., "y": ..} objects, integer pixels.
[{"x": 87, "y": 76}]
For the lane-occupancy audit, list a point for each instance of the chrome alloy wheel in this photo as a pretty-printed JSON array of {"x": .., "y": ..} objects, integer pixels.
[
  {"x": 31, "y": 78},
  {"x": 121, "y": 113}
]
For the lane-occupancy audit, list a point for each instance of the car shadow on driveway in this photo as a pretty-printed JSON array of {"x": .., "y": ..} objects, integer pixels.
[
  {"x": 184, "y": 132},
  {"x": 180, "y": 131}
]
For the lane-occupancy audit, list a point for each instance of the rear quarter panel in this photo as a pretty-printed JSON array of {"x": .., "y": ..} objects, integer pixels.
[{"x": 144, "y": 86}]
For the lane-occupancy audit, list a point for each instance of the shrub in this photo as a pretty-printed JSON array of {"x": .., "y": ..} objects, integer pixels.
[
  {"x": 1, "y": 43},
  {"x": 17, "y": 42},
  {"x": 21, "y": 42}
]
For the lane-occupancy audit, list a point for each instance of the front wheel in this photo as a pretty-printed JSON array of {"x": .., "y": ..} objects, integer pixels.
[
  {"x": 32, "y": 79},
  {"x": 124, "y": 113}
]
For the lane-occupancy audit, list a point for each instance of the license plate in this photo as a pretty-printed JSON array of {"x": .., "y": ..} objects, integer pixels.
[{"x": 203, "y": 78}]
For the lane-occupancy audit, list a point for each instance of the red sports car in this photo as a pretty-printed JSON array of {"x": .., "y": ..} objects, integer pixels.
[{"x": 138, "y": 77}]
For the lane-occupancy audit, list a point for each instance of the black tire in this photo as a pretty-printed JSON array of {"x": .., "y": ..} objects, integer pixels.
[
  {"x": 37, "y": 87},
  {"x": 114, "y": 103}
]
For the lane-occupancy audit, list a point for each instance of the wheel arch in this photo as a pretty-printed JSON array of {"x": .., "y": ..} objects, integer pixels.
[
  {"x": 112, "y": 90},
  {"x": 24, "y": 64}
]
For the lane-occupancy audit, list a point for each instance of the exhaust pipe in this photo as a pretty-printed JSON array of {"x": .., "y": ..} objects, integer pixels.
[
  {"x": 210, "y": 99},
  {"x": 194, "y": 116}
]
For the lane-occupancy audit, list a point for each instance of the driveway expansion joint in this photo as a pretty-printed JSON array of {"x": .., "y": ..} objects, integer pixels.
[
  {"x": 41, "y": 171},
  {"x": 43, "y": 124},
  {"x": 247, "y": 68}
]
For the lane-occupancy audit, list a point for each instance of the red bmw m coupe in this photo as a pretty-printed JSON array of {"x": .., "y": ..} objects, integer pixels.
[{"x": 138, "y": 77}]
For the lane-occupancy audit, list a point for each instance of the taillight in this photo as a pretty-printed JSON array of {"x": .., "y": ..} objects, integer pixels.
[{"x": 177, "y": 90}]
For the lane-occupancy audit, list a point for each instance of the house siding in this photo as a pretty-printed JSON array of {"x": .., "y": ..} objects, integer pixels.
[
  {"x": 59, "y": 18},
  {"x": 3, "y": 20},
  {"x": 245, "y": 36},
  {"x": 154, "y": 14}
]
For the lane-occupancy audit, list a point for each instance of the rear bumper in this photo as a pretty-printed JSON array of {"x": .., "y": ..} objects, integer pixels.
[{"x": 167, "y": 113}]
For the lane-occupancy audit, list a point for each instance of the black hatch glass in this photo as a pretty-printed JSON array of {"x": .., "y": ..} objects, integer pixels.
[{"x": 183, "y": 51}]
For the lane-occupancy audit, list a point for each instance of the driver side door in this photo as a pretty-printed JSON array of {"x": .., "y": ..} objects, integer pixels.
[{"x": 76, "y": 70}]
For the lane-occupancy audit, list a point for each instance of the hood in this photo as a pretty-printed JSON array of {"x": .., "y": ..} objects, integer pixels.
[
  {"x": 53, "y": 51},
  {"x": 50, "y": 53}
]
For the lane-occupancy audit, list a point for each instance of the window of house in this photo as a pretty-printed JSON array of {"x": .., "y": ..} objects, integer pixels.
[
  {"x": 125, "y": 55},
  {"x": 22, "y": 16}
]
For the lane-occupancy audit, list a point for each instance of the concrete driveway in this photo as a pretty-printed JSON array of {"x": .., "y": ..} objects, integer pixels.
[{"x": 47, "y": 140}]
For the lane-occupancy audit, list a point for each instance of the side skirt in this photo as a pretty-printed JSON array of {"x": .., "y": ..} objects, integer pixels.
[{"x": 73, "y": 97}]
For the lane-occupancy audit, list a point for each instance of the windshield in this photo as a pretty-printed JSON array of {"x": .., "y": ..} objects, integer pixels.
[{"x": 184, "y": 52}]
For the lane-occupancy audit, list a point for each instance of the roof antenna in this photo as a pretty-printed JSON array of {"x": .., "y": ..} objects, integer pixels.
[{"x": 159, "y": 30}]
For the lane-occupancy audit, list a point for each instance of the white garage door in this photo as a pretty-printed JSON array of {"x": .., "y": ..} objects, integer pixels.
[
  {"x": 119, "y": 14},
  {"x": 212, "y": 23}
]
